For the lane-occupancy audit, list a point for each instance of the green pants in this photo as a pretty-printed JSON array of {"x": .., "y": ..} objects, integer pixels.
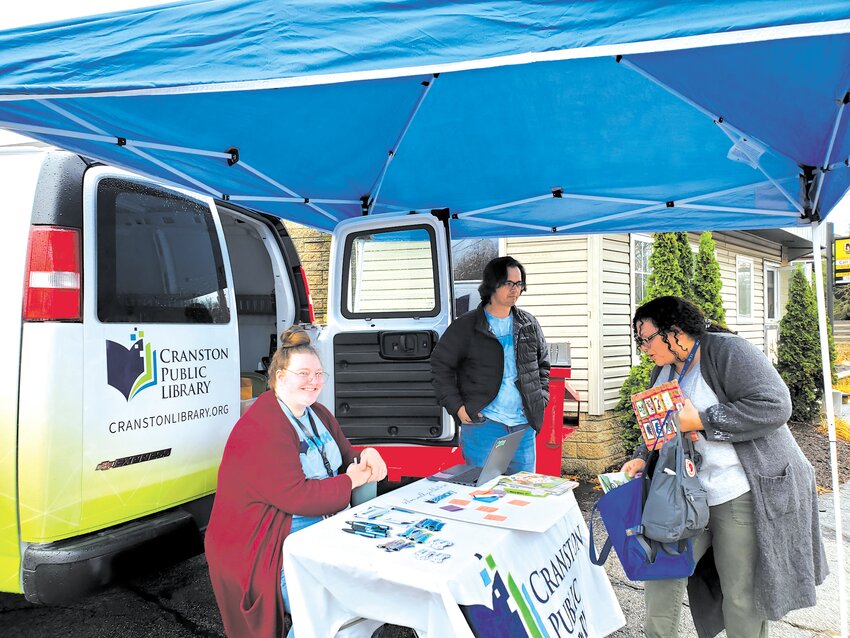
[{"x": 732, "y": 535}]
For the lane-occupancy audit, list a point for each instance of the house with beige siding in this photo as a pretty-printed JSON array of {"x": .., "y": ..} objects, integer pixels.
[{"x": 583, "y": 290}]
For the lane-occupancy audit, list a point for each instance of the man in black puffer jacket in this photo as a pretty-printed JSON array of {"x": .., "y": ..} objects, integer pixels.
[{"x": 490, "y": 369}]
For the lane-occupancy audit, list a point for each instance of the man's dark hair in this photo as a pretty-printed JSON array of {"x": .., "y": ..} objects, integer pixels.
[{"x": 495, "y": 274}]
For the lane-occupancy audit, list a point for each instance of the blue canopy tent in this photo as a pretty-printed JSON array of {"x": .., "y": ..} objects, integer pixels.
[{"x": 520, "y": 118}]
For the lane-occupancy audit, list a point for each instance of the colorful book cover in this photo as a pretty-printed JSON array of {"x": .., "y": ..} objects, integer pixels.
[{"x": 652, "y": 407}]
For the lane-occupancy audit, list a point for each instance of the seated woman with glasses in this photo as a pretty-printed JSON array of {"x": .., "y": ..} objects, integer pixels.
[{"x": 280, "y": 473}]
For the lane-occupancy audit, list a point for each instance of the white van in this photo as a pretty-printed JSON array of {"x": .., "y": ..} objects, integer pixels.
[{"x": 141, "y": 307}]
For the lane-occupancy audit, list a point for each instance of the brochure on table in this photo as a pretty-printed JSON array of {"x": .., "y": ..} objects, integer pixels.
[
  {"x": 537, "y": 485},
  {"x": 486, "y": 505}
]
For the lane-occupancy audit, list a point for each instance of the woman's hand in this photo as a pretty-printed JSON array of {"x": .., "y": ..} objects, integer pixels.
[
  {"x": 633, "y": 467},
  {"x": 374, "y": 463},
  {"x": 359, "y": 473},
  {"x": 689, "y": 420}
]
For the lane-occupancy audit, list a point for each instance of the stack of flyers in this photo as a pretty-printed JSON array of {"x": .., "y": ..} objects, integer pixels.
[
  {"x": 652, "y": 407},
  {"x": 612, "y": 479},
  {"x": 531, "y": 484}
]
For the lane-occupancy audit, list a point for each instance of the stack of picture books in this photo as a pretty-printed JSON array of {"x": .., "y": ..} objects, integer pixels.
[
  {"x": 531, "y": 484},
  {"x": 651, "y": 409}
]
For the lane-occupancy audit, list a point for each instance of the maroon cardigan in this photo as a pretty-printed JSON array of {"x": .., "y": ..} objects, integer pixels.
[{"x": 260, "y": 486}]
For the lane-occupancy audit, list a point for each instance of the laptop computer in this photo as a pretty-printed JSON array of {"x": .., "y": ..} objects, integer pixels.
[{"x": 497, "y": 462}]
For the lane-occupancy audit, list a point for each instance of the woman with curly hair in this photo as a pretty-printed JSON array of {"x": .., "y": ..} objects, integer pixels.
[{"x": 761, "y": 555}]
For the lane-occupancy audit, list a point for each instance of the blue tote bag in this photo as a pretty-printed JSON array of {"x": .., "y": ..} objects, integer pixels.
[{"x": 642, "y": 558}]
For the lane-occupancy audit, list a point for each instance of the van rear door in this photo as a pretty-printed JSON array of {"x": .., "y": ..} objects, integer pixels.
[{"x": 389, "y": 299}]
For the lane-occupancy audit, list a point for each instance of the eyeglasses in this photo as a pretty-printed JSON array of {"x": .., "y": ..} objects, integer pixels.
[
  {"x": 306, "y": 375},
  {"x": 513, "y": 284},
  {"x": 643, "y": 342}
]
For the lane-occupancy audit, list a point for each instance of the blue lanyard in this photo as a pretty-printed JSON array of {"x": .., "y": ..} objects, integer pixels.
[
  {"x": 687, "y": 365},
  {"x": 317, "y": 440}
]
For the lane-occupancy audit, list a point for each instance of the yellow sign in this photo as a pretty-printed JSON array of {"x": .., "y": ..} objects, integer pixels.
[{"x": 842, "y": 257}]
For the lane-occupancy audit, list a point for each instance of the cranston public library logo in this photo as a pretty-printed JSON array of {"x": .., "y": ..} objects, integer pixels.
[
  {"x": 131, "y": 370},
  {"x": 513, "y": 611}
]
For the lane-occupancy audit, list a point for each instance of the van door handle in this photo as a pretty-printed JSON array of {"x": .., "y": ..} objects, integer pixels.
[
  {"x": 409, "y": 342},
  {"x": 407, "y": 345}
]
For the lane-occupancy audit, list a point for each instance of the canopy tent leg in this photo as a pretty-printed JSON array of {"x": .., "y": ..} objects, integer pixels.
[{"x": 830, "y": 417}]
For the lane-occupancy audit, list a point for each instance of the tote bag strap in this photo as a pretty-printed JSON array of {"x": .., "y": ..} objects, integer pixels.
[{"x": 599, "y": 559}]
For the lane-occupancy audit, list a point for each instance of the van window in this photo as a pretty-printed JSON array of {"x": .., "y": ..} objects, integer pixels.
[
  {"x": 391, "y": 273},
  {"x": 158, "y": 258}
]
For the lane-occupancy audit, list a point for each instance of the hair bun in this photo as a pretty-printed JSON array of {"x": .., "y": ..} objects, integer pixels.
[{"x": 293, "y": 337}]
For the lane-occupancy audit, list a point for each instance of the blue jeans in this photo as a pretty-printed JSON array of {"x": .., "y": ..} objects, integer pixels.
[
  {"x": 477, "y": 439},
  {"x": 298, "y": 522}
]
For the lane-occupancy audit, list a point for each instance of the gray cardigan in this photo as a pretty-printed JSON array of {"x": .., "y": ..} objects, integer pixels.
[{"x": 752, "y": 411}]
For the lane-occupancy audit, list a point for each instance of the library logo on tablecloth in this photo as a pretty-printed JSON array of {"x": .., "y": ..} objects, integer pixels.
[{"x": 535, "y": 595}]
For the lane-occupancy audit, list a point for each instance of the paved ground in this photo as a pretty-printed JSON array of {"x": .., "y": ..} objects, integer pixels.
[{"x": 819, "y": 621}]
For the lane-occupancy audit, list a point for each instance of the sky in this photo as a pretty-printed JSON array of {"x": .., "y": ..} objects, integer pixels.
[
  {"x": 16, "y": 14},
  {"x": 841, "y": 217}
]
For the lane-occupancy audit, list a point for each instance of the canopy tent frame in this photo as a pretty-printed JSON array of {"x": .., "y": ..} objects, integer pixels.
[
  {"x": 728, "y": 129},
  {"x": 825, "y": 165},
  {"x": 371, "y": 198},
  {"x": 732, "y": 200},
  {"x": 136, "y": 146}
]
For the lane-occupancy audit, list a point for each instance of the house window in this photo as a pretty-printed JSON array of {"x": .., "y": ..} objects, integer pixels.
[
  {"x": 745, "y": 288},
  {"x": 391, "y": 273},
  {"x": 642, "y": 249},
  {"x": 771, "y": 293}
]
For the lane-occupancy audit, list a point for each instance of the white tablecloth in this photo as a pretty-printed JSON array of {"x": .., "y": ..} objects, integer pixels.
[{"x": 497, "y": 581}]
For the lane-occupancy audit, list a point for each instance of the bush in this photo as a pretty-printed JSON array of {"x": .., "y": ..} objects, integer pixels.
[
  {"x": 707, "y": 282},
  {"x": 665, "y": 277},
  {"x": 798, "y": 356}
]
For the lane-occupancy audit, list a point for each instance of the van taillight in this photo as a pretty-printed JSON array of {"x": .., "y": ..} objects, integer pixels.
[
  {"x": 52, "y": 282},
  {"x": 310, "y": 308}
]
